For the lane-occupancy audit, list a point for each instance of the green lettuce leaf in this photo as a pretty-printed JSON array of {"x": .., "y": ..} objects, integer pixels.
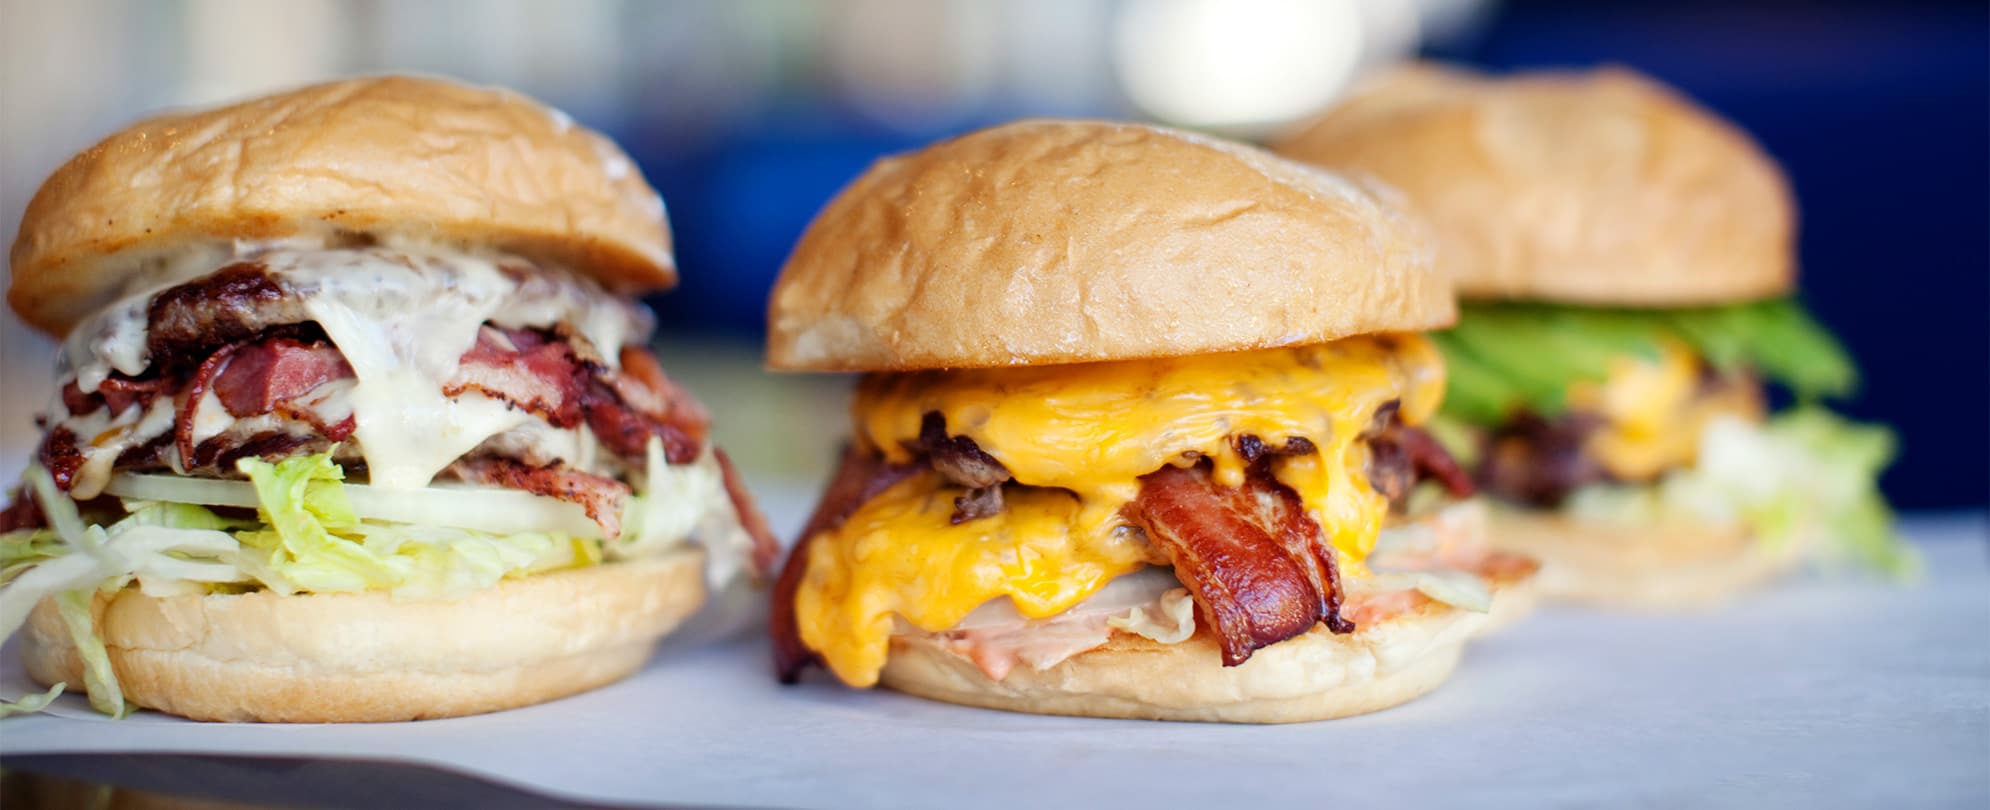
[{"x": 1506, "y": 356}]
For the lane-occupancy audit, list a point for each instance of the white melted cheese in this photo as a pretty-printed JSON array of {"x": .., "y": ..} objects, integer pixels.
[
  {"x": 403, "y": 315},
  {"x": 101, "y": 437}
]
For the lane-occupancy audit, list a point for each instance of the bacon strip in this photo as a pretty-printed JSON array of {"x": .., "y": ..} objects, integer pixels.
[
  {"x": 860, "y": 477},
  {"x": 766, "y": 550},
  {"x": 1399, "y": 456},
  {"x": 526, "y": 371},
  {"x": 249, "y": 379},
  {"x": 117, "y": 391},
  {"x": 262, "y": 376},
  {"x": 669, "y": 413},
  {"x": 203, "y": 378},
  {"x": 1432, "y": 461},
  {"x": 1257, "y": 566},
  {"x": 602, "y": 497}
]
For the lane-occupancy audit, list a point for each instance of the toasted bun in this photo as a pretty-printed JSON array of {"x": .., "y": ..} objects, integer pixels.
[
  {"x": 397, "y": 156},
  {"x": 1645, "y": 566},
  {"x": 1043, "y": 242},
  {"x": 1317, "y": 676},
  {"x": 1600, "y": 188},
  {"x": 349, "y": 658}
]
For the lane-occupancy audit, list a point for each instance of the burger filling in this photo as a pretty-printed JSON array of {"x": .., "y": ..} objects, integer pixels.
[
  {"x": 1027, "y": 514},
  {"x": 1656, "y": 416},
  {"x": 326, "y": 418}
]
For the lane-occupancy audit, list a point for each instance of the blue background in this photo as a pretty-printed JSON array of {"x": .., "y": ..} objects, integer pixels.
[{"x": 1880, "y": 113}]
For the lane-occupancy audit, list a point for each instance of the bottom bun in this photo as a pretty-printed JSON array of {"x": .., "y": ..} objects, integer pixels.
[
  {"x": 1660, "y": 566},
  {"x": 357, "y": 658},
  {"x": 1316, "y": 676}
]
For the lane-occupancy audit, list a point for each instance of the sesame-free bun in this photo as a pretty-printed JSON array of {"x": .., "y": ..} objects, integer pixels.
[
  {"x": 417, "y": 158},
  {"x": 1316, "y": 676},
  {"x": 347, "y": 658},
  {"x": 1044, "y": 241},
  {"x": 1598, "y": 188},
  {"x": 1658, "y": 566}
]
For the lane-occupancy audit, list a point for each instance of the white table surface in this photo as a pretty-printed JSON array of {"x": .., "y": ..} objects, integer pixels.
[{"x": 1820, "y": 693}]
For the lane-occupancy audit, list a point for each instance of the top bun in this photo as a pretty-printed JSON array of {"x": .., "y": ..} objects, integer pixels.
[
  {"x": 1601, "y": 188},
  {"x": 394, "y": 156},
  {"x": 1044, "y": 242}
]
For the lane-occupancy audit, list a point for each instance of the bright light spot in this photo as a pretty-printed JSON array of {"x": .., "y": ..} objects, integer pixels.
[{"x": 1237, "y": 64}]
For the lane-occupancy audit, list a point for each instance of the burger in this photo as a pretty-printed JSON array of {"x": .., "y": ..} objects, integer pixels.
[
  {"x": 1138, "y": 435},
  {"x": 1626, "y": 261},
  {"x": 356, "y": 419}
]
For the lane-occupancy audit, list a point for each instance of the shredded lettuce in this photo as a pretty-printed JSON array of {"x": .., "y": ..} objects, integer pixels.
[
  {"x": 105, "y": 694},
  {"x": 1806, "y": 475},
  {"x": 1507, "y": 356},
  {"x": 305, "y": 539},
  {"x": 314, "y": 544},
  {"x": 29, "y": 704}
]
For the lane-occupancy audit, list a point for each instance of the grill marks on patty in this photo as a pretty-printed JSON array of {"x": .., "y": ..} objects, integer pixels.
[{"x": 230, "y": 305}]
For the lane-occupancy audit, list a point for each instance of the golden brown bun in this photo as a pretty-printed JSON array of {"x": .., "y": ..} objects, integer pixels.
[
  {"x": 409, "y": 157},
  {"x": 360, "y": 658},
  {"x": 1654, "y": 567},
  {"x": 1601, "y": 188},
  {"x": 1317, "y": 676},
  {"x": 1043, "y": 242}
]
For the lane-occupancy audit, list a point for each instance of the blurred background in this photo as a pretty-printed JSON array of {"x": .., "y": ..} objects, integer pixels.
[{"x": 749, "y": 114}]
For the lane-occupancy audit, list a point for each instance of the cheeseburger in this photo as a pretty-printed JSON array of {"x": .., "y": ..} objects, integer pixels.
[
  {"x": 1136, "y": 437},
  {"x": 356, "y": 421},
  {"x": 1626, "y": 260}
]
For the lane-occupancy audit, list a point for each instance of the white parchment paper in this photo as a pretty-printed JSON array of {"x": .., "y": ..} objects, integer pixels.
[{"x": 1819, "y": 693}]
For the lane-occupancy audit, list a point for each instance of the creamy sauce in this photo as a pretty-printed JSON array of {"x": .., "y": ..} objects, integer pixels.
[{"x": 402, "y": 314}]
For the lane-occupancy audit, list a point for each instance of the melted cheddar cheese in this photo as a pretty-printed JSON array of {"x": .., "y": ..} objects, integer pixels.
[
  {"x": 1080, "y": 437},
  {"x": 1654, "y": 412},
  {"x": 900, "y": 554}
]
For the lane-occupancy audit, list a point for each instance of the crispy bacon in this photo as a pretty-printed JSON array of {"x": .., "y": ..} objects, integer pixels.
[
  {"x": 602, "y": 497},
  {"x": 1400, "y": 455},
  {"x": 1259, "y": 569},
  {"x": 860, "y": 477},
  {"x": 238, "y": 337},
  {"x": 203, "y": 379},
  {"x": 117, "y": 391},
  {"x": 525, "y": 370},
  {"x": 670, "y": 413},
  {"x": 766, "y": 549},
  {"x": 1433, "y": 462}
]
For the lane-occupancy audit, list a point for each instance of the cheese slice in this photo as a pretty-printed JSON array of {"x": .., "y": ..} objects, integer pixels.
[
  {"x": 1654, "y": 411},
  {"x": 1080, "y": 437}
]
